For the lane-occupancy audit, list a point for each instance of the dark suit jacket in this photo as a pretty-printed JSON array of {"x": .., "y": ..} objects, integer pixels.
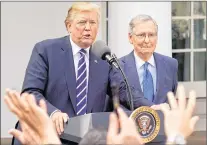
[
  {"x": 50, "y": 75},
  {"x": 166, "y": 68}
]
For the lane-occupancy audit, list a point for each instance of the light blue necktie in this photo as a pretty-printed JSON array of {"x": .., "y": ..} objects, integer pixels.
[
  {"x": 148, "y": 88},
  {"x": 81, "y": 85}
]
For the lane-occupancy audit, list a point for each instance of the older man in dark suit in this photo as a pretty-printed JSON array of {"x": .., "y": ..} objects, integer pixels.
[
  {"x": 65, "y": 72},
  {"x": 149, "y": 73}
]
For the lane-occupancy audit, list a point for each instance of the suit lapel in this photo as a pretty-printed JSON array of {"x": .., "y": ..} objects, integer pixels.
[
  {"x": 160, "y": 68},
  {"x": 131, "y": 72},
  {"x": 94, "y": 75},
  {"x": 69, "y": 70}
]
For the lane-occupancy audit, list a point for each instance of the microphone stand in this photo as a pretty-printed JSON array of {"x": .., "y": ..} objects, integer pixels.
[{"x": 126, "y": 82}]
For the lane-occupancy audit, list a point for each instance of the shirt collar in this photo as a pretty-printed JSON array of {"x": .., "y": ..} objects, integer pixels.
[
  {"x": 152, "y": 61},
  {"x": 140, "y": 62},
  {"x": 76, "y": 48}
]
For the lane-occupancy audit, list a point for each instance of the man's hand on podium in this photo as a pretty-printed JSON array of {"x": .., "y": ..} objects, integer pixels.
[
  {"x": 128, "y": 134},
  {"x": 59, "y": 119},
  {"x": 158, "y": 107},
  {"x": 36, "y": 126}
]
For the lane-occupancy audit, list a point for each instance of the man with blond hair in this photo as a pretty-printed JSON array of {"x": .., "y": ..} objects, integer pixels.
[{"x": 66, "y": 74}]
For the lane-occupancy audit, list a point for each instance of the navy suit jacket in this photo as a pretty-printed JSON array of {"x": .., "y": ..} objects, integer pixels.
[
  {"x": 51, "y": 75},
  {"x": 166, "y": 68}
]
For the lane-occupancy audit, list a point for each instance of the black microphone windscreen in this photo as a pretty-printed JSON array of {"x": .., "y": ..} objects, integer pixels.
[{"x": 100, "y": 49}]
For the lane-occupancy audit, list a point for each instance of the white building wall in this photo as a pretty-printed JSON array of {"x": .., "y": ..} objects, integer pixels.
[{"x": 120, "y": 14}]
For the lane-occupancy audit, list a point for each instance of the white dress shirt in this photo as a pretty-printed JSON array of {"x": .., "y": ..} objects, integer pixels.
[
  {"x": 76, "y": 56},
  {"x": 140, "y": 70}
]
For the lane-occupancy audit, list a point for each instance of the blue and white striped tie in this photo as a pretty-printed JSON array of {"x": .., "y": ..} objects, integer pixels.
[{"x": 81, "y": 85}]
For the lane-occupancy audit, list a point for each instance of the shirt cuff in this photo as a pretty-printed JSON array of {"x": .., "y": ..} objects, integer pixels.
[
  {"x": 54, "y": 112},
  {"x": 176, "y": 139}
]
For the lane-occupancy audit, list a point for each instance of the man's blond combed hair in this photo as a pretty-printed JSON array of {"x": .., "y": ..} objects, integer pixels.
[{"x": 81, "y": 7}]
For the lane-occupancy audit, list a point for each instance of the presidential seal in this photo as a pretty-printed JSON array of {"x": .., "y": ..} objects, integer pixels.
[{"x": 147, "y": 121}]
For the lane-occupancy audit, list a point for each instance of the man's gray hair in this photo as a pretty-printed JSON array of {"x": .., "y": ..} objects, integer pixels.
[{"x": 139, "y": 19}]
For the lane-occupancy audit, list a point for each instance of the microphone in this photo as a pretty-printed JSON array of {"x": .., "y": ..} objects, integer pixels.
[{"x": 101, "y": 50}]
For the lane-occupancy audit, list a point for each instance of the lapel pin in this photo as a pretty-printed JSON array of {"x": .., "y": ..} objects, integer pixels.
[{"x": 95, "y": 61}]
